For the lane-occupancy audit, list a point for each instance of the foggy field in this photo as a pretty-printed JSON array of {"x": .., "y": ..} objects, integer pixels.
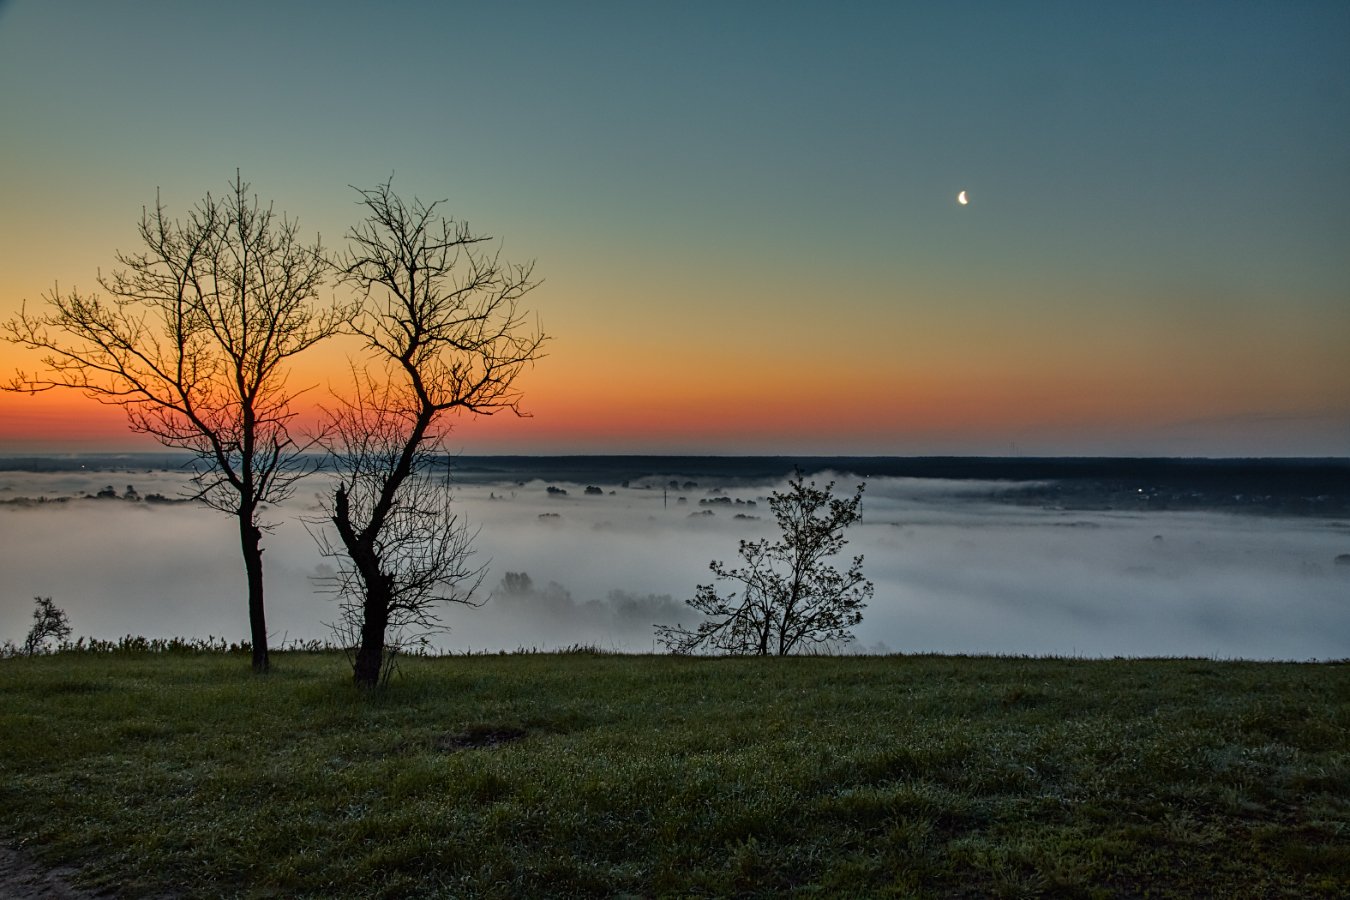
[
  {"x": 954, "y": 571},
  {"x": 583, "y": 775}
]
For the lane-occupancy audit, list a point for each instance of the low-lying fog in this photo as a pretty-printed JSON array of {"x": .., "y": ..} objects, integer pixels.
[{"x": 953, "y": 573}]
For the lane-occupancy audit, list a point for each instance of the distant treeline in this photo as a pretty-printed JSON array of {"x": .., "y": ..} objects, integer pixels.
[
  {"x": 616, "y": 469},
  {"x": 1319, "y": 486}
]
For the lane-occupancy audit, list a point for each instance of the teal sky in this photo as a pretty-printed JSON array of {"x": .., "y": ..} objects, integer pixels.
[{"x": 745, "y": 212}]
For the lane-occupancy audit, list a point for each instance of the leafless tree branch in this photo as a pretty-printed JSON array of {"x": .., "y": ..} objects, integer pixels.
[
  {"x": 445, "y": 334},
  {"x": 193, "y": 342}
]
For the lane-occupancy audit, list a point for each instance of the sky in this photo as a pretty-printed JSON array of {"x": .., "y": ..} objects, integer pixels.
[{"x": 745, "y": 214}]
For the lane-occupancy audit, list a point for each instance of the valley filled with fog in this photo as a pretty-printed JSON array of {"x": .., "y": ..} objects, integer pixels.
[{"x": 955, "y": 571}]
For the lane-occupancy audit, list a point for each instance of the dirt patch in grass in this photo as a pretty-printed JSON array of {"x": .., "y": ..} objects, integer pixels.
[
  {"x": 22, "y": 878},
  {"x": 479, "y": 737}
]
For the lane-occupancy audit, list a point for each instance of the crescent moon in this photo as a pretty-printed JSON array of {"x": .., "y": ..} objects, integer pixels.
[{"x": 961, "y": 198}]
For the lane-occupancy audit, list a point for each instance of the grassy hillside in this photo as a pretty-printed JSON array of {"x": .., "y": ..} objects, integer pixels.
[{"x": 535, "y": 775}]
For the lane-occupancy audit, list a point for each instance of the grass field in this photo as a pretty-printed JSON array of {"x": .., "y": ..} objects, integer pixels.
[{"x": 594, "y": 775}]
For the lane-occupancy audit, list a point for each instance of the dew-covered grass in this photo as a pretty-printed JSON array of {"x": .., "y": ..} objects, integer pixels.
[{"x": 599, "y": 775}]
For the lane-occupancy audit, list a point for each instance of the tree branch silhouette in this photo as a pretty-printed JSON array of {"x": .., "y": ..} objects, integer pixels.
[
  {"x": 789, "y": 596},
  {"x": 445, "y": 335},
  {"x": 193, "y": 342}
]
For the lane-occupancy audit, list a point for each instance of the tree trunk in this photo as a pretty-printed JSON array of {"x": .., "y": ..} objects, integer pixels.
[
  {"x": 377, "y": 589},
  {"x": 370, "y": 652},
  {"x": 250, "y": 538}
]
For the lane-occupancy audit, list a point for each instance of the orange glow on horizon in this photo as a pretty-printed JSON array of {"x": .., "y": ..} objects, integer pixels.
[
  {"x": 746, "y": 409},
  {"x": 53, "y": 420},
  {"x": 888, "y": 390}
]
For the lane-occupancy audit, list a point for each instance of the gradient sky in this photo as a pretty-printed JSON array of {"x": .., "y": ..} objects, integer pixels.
[{"x": 745, "y": 213}]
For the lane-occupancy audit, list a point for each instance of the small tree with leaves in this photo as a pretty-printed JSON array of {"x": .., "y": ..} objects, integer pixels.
[
  {"x": 49, "y": 621},
  {"x": 790, "y": 597}
]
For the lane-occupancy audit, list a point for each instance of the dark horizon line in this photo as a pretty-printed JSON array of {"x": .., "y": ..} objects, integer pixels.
[
  {"x": 980, "y": 457},
  {"x": 1319, "y": 474}
]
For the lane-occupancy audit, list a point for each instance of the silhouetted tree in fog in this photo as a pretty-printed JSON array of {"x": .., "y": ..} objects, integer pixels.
[
  {"x": 193, "y": 343},
  {"x": 49, "y": 621},
  {"x": 790, "y": 597},
  {"x": 444, "y": 334}
]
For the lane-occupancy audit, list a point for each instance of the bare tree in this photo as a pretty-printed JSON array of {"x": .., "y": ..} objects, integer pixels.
[
  {"x": 790, "y": 596},
  {"x": 441, "y": 319},
  {"x": 194, "y": 343}
]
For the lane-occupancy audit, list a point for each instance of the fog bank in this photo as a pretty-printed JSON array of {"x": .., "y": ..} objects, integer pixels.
[{"x": 954, "y": 573}]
